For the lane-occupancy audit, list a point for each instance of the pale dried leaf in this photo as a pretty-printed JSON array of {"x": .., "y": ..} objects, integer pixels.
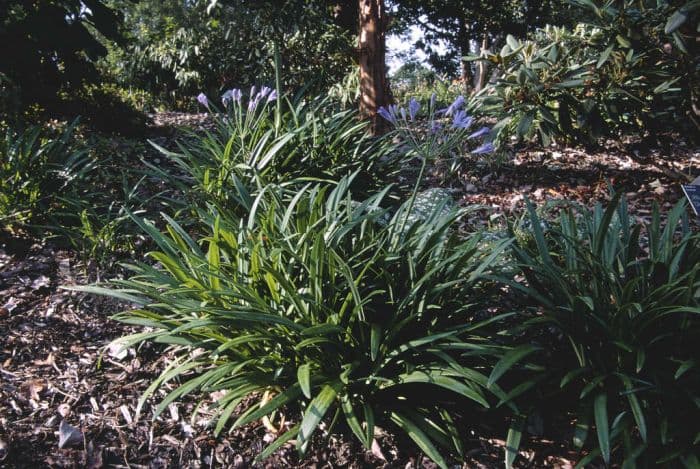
[{"x": 68, "y": 435}]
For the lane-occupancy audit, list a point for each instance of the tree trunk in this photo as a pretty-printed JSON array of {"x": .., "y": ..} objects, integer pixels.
[
  {"x": 373, "y": 83},
  {"x": 482, "y": 68},
  {"x": 466, "y": 75}
]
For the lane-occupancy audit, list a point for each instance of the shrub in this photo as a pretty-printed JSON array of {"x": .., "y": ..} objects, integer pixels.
[
  {"x": 616, "y": 72},
  {"x": 612, "y": 331},
  {"x": 316, "y": 302}
]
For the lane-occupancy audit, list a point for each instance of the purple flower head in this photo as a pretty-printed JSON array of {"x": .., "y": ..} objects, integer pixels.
[
  {"x": 253, "y": 90},
  {"x": 403, "y": 113},
  {"x": 455, "y": 105},
  {"x": 253, "y": 103},
  {"x": 202, "y": 98},
  {"x": 237, "y": 94},
  {"x": 265, "y": 91},
  {"x": 272, "y": 96},
  {"x": 388, "y": 113},
  {"x": 461, "y": 120},
  {"x": 413, "y": 108},
  {"x": 485, "y": 148},
  {"x": 480, "y": 133}
]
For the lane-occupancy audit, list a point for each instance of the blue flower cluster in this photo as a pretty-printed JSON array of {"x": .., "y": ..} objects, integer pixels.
[
  {"x": 460, "y": 120},
  {"x": 236, "y": 95}
]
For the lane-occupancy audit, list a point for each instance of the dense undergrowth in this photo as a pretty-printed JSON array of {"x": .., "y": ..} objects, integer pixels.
[
  {"x": 62, "y": 182},
  {"x": 285, "y": 269}
]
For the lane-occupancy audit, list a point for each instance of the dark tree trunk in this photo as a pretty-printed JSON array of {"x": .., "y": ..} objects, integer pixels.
[
  {"x": 372, "y": 49},
  {"x": 463, "y": 37},
  {"x": 482, "y": 68}
]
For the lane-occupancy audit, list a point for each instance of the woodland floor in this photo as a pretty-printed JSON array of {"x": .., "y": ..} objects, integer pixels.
[{"x": 54, "y": 366}]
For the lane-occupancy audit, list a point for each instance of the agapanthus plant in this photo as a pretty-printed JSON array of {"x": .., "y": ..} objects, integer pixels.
[
  {"x": 257, "y": 141},
  {"x": 237, "y": 115}
]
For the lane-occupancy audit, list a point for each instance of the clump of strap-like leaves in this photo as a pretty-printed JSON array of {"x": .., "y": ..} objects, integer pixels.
[
  {"x": 318, "y": 303},
  {"x": 611, "y": 332}
]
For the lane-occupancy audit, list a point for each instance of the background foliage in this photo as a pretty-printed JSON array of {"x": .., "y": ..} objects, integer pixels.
[
  {"x": 51, "y": 46},
  {"x": 177, "y": 49},
  {"x": 628, "y": 67}
]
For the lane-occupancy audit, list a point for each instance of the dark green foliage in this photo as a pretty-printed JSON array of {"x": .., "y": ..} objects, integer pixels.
[
  {"x": 619, "y": 71},
  {"x": 177, "y": 49},
  {"x": 51, "y": 45},
  {"x": 306, "y": 298},
  {"x": 35, "y": 166},
  {"x": 613, "y": 331},
  {"x": 55, "y": 184},
  {"x": 310, "y": 140}
]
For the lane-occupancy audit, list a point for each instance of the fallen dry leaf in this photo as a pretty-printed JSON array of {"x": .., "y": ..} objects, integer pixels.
[
  {"x": 69, "y": 435},
  {"x": 34, "y": 387},
  {"x": 49, "y": 361},
  {"x": 377, "y": 450}
]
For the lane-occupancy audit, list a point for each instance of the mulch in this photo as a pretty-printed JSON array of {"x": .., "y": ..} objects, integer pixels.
[{"x": 562, "y": 174}]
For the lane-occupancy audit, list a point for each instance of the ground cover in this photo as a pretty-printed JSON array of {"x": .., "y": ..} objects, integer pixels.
[{"x": 54, "y": 338}]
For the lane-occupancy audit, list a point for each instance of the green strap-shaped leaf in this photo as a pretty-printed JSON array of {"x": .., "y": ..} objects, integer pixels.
[
  {"x": 304, "y": 377},
  {"x": 515, "y": 434},
  {"x": 438, "y": 379},
  {"x": 314, "y": 414},
  {"x": 508, "y": 360},
  {"x": 278, "y": 401},
  {"x": 600, "y": 413},
  {"x": 277, "y": 444},
  {"x": 637, "y": 412},
  {"x": 375, "y": 340},
  {"x": 538, "y": 234},
  {"x": 354, "y": 422},
  {"x": 604, "y": 56},
  {"x": 421, "y": 439}
]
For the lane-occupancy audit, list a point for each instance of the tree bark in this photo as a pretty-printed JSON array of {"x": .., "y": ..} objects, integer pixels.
[
  {"x": 466, "y": 75},
  {"x": 372, "y": 51},
  {"x": 482, "y": 67}
]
